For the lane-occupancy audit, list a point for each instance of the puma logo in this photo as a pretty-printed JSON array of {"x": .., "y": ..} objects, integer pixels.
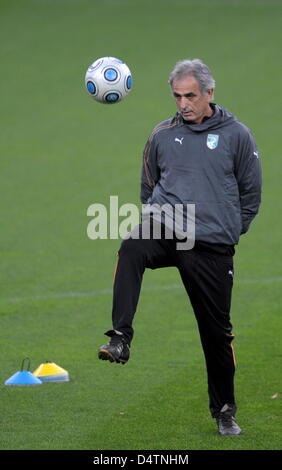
[{"x": 179, "y": 140}]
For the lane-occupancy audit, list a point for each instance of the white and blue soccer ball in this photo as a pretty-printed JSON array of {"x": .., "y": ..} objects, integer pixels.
[{"x": 108, "y": 80}]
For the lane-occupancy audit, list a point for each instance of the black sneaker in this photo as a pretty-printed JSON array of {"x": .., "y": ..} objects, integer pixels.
[
  {"x": 226, "y": 423},
  {"x": 117, "y": 350}
]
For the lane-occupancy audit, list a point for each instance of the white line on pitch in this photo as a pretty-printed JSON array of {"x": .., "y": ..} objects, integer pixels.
[{"x": 95, "y": 293}]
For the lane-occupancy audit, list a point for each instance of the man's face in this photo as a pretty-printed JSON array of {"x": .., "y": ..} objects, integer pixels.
[{"x": 191, "y": 103}]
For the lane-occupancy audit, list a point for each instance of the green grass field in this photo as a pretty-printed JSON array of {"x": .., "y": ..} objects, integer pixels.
[{"x": 61, "y": 152}]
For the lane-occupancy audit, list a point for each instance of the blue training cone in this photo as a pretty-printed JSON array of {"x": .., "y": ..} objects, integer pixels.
[{"x": 23, "y": 377}]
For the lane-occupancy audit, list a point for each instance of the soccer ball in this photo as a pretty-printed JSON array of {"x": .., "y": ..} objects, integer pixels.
[{"x": 108, "y": 80}]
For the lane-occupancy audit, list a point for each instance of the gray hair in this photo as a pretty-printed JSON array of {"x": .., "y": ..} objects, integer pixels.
[{"x": 195, "y": 68}]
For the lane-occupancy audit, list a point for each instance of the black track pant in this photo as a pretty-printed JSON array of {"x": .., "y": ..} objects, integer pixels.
[{"x": 208, "y": 278}]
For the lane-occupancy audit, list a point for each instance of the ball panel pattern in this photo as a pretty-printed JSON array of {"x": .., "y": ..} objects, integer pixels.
[{"x": 108, "y": 80}]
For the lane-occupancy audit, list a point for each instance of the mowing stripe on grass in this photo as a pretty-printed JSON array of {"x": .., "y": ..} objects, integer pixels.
[{"x": 95, "y": 293}]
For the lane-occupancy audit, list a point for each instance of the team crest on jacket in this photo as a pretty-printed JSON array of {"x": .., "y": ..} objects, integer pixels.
[{"x": 212, "y": 141}]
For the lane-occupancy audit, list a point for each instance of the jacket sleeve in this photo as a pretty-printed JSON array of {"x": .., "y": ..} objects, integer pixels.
[
  {"x": 249, "y": 178},
  {"x": 150, "y": 172}
]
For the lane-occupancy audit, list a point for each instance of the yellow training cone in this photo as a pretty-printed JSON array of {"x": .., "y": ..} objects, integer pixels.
[{"x": 51, "y": 372}]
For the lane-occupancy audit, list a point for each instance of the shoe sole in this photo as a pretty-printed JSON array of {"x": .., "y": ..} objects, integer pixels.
[
  {"x": 105, "y": 355},
  {"x": 230, "y": 433}
]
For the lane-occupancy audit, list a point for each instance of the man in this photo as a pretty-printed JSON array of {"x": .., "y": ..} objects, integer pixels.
[{"x": 202, "y": 156}]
